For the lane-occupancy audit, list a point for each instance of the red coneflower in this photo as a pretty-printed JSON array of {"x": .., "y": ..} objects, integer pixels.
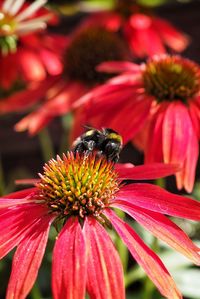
[
  {"x": 86, "y": 49},
  {"x": 79, "y": 193},
  {"x": 27, "y": 52},
  {"x": 145, "y": 33},
  {"x": 163, "y": 95}
]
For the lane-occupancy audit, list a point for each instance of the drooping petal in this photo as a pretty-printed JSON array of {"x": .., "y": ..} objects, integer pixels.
[
  {"x": 51, "y": 61},
  {"x": 177, "y": 131},
  {"x": 186, "y": 177},
  {"x": 154, "y": 146},
  {"x": 69, "y": 263},
  {"x": 145, "y": 172},
  {"x": 27, "y": 259},
  {"x": 164, "y": 229},
  {"x": 154, "y": 198},
  {"x": 31, "y": 65},
  {"x": 171, "y": 36},
  {"x": 143, "y": 38},
  {"x": 150, "y": 262},
  {"x": 191, "y": 163},
  {"x": 33, "y": 122},
  {"x": 104, "y": 269},
  {"x": 24, "y": 99},
  {"x": 16, "y": 223}
]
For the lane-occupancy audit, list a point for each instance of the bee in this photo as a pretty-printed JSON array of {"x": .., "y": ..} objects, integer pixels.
[{"x": 106, "y": 142}]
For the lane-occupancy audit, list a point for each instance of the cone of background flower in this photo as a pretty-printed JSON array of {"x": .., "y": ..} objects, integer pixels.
[{"x": 79, "y": 193}]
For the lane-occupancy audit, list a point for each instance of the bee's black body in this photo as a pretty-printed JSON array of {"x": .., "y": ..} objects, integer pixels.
[{"x": 106, "y": 142}]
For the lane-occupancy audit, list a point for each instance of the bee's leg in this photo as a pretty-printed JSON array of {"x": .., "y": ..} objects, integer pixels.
[{"x": 89, "y": 145}]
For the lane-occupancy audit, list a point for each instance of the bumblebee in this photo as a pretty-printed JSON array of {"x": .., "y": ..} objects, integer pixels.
[{"x": 106, "y": 142}]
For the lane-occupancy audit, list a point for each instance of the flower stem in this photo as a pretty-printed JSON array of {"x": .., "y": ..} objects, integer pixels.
[
  {"x": 35, "y": 292},
  {"x": 66, "y": 125},
  {"x": 148, "y": 285},
  {"x": 123, "y": 252},
  {"x": 133, "y": 275},
  {"x": 161, "y": 182},
  {"x": 46, "y": 145},
  {"x": 148, "y": 288}
]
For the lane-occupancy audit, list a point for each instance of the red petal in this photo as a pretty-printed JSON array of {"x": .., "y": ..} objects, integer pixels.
[
  {"x": 33, "y": 122},
  {"x": 16, "y": 223},
  {"x": 32, "y": 67},
  {"x": 143, "y": 40},
  {"x": 145, "y": 172},
  {"x": 18, "y": 198},
  {"x": 191, "y": 163},
  {"x": 153, "y": 150},
  {"x": 22, "y": 100},
  {"x": 177, "y": 132},
  {"x": 164, "y": 229},
  {"x": 150, "y": 262},
  {"x": 156, "y": 199},
  {"x": 118, "y": 66},
  {"x": 172, "y": 37},
  {"x": 27, "y": 181},
  {"x": 27, "y": 259},
  {"x": 105, "y": 274},
  {"x": 69, "y": 262},
  {"x": 21, "y": 194},
  {"x": 129, "y": 120},
  {"x": 51, "y": 61}
]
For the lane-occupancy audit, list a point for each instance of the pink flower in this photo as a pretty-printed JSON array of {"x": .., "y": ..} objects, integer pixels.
[
  {"x": 145, "y": 33},
  {"x": 79, "y": 193},
  {"x": 161, "y": 101},
  {"x": 87, "y": 47}
]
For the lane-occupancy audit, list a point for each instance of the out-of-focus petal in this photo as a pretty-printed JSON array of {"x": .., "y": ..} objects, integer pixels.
[
  {"x": 69, "y": 262},
  {"x": 150, "y": 262},
  {"x": 118, "y": 67},
  {"x": 16, "y": 224},
  {"x": 51, "y": 62},
  {"x": 58, "y": 103},
  {"x": 154, "y": 198},
  {"x": 31, "y": 65},
  {"x": 145, "y": 172},
  {"x": 171, "y": 36},
  {"x": 24, "y": 99},
  {"x": 27, "y": 259},
  {"x": 104, "y": 269},
  {"x": 27, "y": 181},
  {"x": 194, "y": 111},
  {"x": 33, "y": 122},
  {"x": 143, "y": 38},
  {"x": 164, "y": 229}
]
